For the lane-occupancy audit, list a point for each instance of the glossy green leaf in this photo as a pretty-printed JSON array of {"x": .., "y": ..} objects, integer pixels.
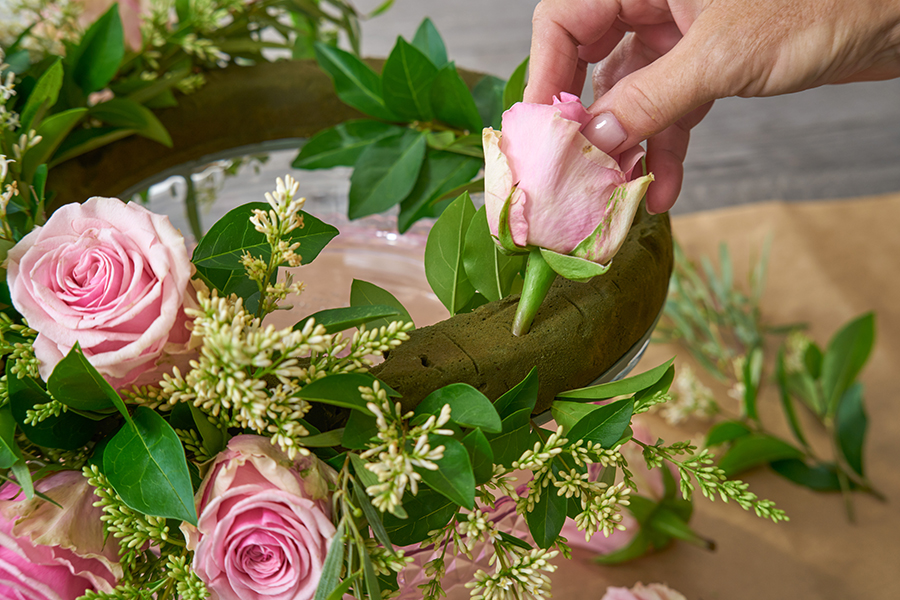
[
  {"x": 480, "y": 454},
  {"x": 515, "y": 86},
  {"x": 343, "y": 588},
  {"x": 359, "y": 430},
  {"x": 23, "y": 477},
  {"x": 547, "y": 518},
  {"x": 469, "y": 145},
  {"x": 363, "y": 293},
  {"x": 330, "y": 577},
  {"x": 43, "y": 96},
  {"x": 649, "y": 396},
  {"x": 452, "y": 101},
  {"x": 128, "y": 114},
  {"x": 523, "y": 395},
  {"x": 342, "y": 144},
  {"x": 53, "y": 131},
  {"x": 726, "y": 431},
  {"x": 339, "y": 319},
  {"x": 515, "y": 438},
  {"x": 407, "y": 77},
  {"x": 468, "y": 407},
  {"x": 429, "y": 42},
  {"x": 68, "y": 431},
  {"x": 442, "y": 172},
  {"x": 444, "y": 255},
  {"x": 605, "y": 425},
  {"x": 488, "y": 96},
  {"x": 365, "y": 476},
  {"x": 373, "y": 517},
  {"x": 371, "y": 580},
  {"x": 427, "y": 511},
  {"x": 567, "y": 414},
  {"x": 820, "y": 477},
  {"x": 338, "y": 390},
  {"x": 146, "y": 466},
  {"x": 386, "y": 173},
  {"x": 212, "y": 438},
  {"x": 9, "y": 449},
  {"x": 753, "y": 450},
  {"x": 77, "y": 384},
  {"x": 491, "y": 272},
  {"x": 845, "y": 357},
  {"x": 100, "y": 52},
  {"x": 454, "y": 477},
  {"x": 812, "y": 360},
  {"x": 326, "y": 439},
  {"x": 354, "y": 81},
  {"x": 851, "y": 423},
  {"x": 232, "y": 235},
  {"x": 623, "y": 387},
  {"x": 573, "y": 268}
]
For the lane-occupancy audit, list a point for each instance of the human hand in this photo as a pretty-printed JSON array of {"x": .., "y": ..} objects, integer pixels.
[{"x": 663, "y": 63}]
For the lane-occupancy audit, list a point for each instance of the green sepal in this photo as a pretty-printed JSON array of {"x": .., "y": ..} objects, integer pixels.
[
  {"x": 572, "y": 267},
  {"x": 504, "y": 236}
]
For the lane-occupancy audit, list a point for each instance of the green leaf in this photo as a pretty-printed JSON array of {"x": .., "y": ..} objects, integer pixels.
[
  {"x": 752, "y": 375},
  {"x": 77, "y": 384},
  {"x": 334, "y": 563},
  {"x": 145, "y": 464},
  {"x": 9, "y": 449},
  {"x": 327, "y": 439},
  {"x": 470, "y": 145},
  {"x": 444, "y": 255},
  {"x": 851, "y": 423},
  {"x": 468, "y": 407},
  {"x": 523, "y": 395},
  {"x": 355, "y": 83},
  {"x": 429, "y": 42},
  {"x": 360, "y": 428},
  {"x": 339, "y": 319},
  {"x": 386, "y": 173},
  {"x": 669, "y": 524},
  {"x": 573, "y": 268},
  {"x": 454, "y": 477},
  {"x": 232, "y": 235},
  {"x": 623, "y": 387},
  {"x": 567, "y": 414},
  {"x": 341, "y": 390},
  {"x": 452, "y": 101},
  {"x": 547, "y": 518},
  {"x": 100, "y": 52},
  {"x": 128, "y": 114},
  {"x": 44, "y": 95},
  {"x": 363, "y": 293},
  {"x": 342, "y": 144},
  {"x": 68, "y": 431},
  {"x": 820, "y": 477},
  {"x": 80, "y": 141},
  {"x": 726, "y": 431},
  {"x": 442, "y": 172},
  {"x": 812, "y": 360},
  {"x": 367, "y": 477},
  {"x": 53, "y": 131},
  {"x": 372, "y": 516},
  {"x": 407, "y": 77},
  {"x": 427, "y": 511},
  {"x": 787, "y": 404},
  {"x": 488, "y": 96},
  {"x": 212, "y": 437},
  {"x": 649, "y": 396},
  {"x": 845, "y": 357},
  {"x": 515, "y": 87},
  {"x": 480, "y": 454},
  {"x": 371, "y": 580},
  {"x": 23, "y": 477},
  {"x": 344, "y": 587},
  {"x": 490, "y": 271},
  {"x": 515, "y": 438},
  {"x": 605, "y": 425},
  {"x": 639, "y": 546},
  {"x": 753, "y": 450}
]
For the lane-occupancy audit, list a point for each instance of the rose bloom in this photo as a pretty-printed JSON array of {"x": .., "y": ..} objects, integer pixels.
[
  {"x": 265, "y": 524},
  {"x": 569, "y": 196},
  {"x": 654, "y": 591},
  {"x": 112, "y": 277},
  {"x": 53, "y": 553}
]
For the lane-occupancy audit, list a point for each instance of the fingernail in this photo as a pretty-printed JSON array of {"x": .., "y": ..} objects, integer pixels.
[{"x": 605, "y": 132}]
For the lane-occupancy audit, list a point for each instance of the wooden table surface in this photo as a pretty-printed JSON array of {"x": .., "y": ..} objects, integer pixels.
[{"x": 831, "y": 142}]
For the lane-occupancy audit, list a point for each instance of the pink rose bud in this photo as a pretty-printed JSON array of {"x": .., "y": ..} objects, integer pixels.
[
  {"x": 567, "y": 195},
  {"x": 112, "y": 277},
  {"x": 654, "y": 591},
  {"x": 265, "y": 525},
  {"x": 53, "y": 553}
]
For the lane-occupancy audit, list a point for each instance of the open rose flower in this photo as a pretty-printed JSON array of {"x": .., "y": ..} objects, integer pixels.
[
  {"x": 110, "y": 276},
  {"x": 53, "y": 553},
  {"x": 265, "y": 525},
  {"x": 654, "y": 591},
  {"x": 567, "y": 196}
]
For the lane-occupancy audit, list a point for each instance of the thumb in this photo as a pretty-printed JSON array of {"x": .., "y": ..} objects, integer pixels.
[{"x": 651, "y": 98}]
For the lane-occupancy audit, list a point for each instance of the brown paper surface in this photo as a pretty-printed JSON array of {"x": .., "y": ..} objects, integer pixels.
[{"x": 830, "y": 261}]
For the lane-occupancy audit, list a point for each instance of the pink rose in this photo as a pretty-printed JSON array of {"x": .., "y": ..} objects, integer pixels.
[
  {"x": 110, "y": 276},
  {"x": 265, "y": 525},
  {"x": 569, "y": 196},
  {"x": 130, "y": 11},
  {"x": 53, "y": 553},
  {"x": 654, "y": 591}
]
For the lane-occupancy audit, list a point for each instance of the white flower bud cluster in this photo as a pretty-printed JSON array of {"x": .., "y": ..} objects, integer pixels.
[
  {"x": 522, "y": 577},
  {"x": 690, "y": 398},
  {"x": 601, "y": 511}
]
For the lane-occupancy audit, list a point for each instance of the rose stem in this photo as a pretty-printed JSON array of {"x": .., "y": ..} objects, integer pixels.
[{"x": 538, "y": 278}]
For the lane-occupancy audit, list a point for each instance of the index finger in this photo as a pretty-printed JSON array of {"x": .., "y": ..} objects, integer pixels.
[{"x": 562, "y": 28}]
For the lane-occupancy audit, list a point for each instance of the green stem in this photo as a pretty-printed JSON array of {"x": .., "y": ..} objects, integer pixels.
[{"x": 538, "y": 279}]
